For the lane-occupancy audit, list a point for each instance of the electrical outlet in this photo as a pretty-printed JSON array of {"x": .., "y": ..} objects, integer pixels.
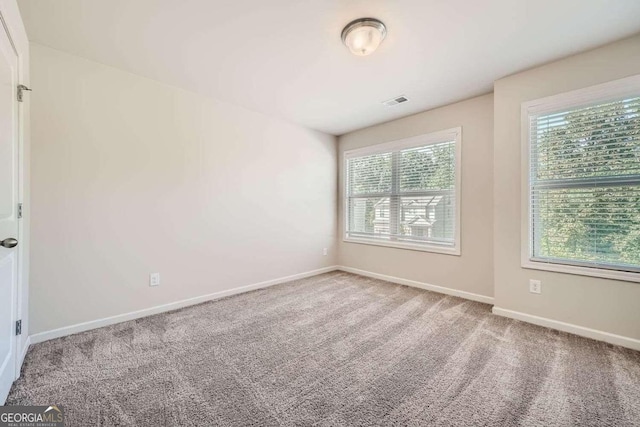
[
  {"x": 154, "y": 279},
  {"x": 325, "y": 251},
  {"x": 535, "y": 286}
]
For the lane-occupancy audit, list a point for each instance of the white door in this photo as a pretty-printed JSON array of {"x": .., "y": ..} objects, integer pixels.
[{"x": 8, "y": 211}]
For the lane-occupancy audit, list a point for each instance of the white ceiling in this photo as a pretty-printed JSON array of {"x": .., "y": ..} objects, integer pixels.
[{"x": 285, "y": 57}]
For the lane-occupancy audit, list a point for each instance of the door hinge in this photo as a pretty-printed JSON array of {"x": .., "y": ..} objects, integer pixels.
[
  {"x": 19, "y": 210},
  {"x": 19, "y": 327},
  {"x": 22, "y": 88}
]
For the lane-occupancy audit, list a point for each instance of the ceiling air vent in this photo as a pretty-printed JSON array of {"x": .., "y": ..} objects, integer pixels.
[{"x": 395, "y": 101}]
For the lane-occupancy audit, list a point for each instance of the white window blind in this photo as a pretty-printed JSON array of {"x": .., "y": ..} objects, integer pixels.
[
  {"x": 405, "y": 193},
  {"x": 584, "y": 185}
]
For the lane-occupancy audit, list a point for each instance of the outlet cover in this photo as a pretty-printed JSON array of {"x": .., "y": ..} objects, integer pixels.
[
  {"x": 535, "y": 286},
  {"x": 154, "y": 279}
]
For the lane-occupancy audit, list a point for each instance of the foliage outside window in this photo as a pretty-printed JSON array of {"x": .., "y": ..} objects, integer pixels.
[
  {"x": 584, "y": 184},
  {"x": 405, "y": 193}
]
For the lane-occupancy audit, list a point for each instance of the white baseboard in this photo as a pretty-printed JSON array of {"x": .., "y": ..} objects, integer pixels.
[
  {"x": 23, "y": 354},
  {"x": 99, "y": 323},
  {"x": 631, "y": 343},
  {"x": 421, "y": 285},
  {"x": 536, "y": 320}
]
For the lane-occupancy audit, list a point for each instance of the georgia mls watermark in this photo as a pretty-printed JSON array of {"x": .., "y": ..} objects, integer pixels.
[{"x": 31, "y": 416}]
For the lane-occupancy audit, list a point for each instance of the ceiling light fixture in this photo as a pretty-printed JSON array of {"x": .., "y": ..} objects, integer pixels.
[{"x": 364, "y": 35}]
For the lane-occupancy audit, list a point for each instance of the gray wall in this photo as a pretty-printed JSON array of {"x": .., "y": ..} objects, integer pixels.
[
  {"x": 131, "y": 176},
  {"x": 606, "y": 305},
  {"x": 472, "y": 271}
]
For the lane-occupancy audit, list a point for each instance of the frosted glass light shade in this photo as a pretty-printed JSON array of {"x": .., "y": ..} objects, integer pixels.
[{"x": 363, "y": 36}]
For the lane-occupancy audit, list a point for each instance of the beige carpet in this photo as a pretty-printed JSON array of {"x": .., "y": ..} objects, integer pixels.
[{"x": 333, "y": 350}]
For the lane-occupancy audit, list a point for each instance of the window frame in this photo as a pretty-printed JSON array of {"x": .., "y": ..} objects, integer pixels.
[
  {"x": 453, "y": 134},
  {"x": 629, "y": 86}
]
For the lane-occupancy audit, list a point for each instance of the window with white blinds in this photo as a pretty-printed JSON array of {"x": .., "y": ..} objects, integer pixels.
[
  {"x": 584, "y": 180},
  {"x": 405, "y": 193}
]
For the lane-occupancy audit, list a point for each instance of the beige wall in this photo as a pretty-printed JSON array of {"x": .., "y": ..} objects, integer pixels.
[
  {"x": 472, "y": 271},
  {"x": 131, "y": 176},
  {"x": 606, "y": 305}
]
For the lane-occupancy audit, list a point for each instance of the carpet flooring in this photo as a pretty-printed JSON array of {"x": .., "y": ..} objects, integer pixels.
[{"x": 333, "y": 350}]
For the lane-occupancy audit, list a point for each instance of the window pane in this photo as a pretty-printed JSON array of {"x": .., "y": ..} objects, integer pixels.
[
  {"x": 428, "y": 168},
  {"x": 369, "y": 216},
  {"x": 428, "y": 218},
  {"x": 370, "y": 174},
  {"x": 590, "y": 225},
  {"x": 599, "y": 141}
]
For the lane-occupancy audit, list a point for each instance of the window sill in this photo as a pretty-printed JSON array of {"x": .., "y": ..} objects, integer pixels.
[
  {"x": 602, "y": 273},
  {"x": 405, "y": 245}
]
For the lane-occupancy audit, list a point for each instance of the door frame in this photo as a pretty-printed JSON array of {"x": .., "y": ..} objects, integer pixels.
[{"x": 8, "y": 22}]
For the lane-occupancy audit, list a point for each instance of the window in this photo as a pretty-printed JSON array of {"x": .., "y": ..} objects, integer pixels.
[
  {"x": 583, "y": 195},
  {"x": 406, "y": 193}
]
